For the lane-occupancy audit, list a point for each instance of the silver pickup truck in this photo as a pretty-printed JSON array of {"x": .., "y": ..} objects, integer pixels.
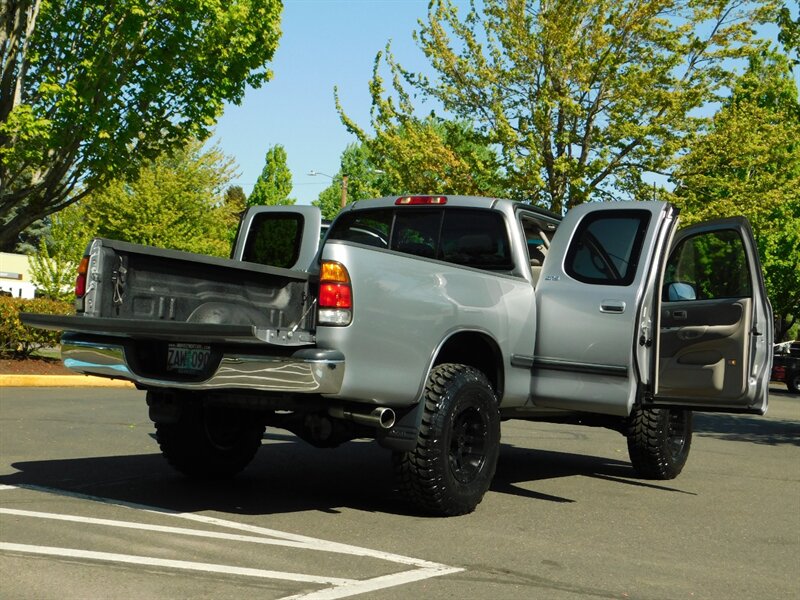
[{"x": 422, "y": 322}]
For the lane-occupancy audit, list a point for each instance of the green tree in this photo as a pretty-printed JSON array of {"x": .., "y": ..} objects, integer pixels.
[
  {"x": 55, "y": 263},
  {"x": 579, "y": 97},
  {"x": 424, "y": 155},
  {"x": 235, "y": 196},
  {"x": 789, "y": 34},
  {"x": 236, "y": 205},
  {"x": 176, "y": 201},
  {"x": 90, "y": 90},
  {"x": 749, "y": 164},
  {"x": 275, "y": 182}
]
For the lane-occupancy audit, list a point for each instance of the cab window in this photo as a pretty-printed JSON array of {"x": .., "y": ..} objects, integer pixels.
[{"x": 607, "y": 247}]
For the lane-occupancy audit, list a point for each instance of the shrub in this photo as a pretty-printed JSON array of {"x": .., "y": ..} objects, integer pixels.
[{"x": 20, "y": 341}]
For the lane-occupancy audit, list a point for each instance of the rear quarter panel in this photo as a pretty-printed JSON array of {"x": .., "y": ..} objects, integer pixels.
[{"x": 405, "y": 308}]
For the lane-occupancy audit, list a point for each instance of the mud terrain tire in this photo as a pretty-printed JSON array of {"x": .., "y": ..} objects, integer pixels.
[
  {"x": 659, "y": 440},
  {"x": 455, "y": 459}
]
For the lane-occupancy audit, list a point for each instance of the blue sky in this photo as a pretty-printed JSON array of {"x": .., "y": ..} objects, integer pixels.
[{"x": 325, "y": 43}]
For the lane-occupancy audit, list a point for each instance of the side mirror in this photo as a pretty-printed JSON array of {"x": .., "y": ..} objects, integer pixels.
[{"x": 678, "y": 291}]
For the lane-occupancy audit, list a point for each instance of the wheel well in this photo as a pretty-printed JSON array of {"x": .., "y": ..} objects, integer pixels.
[{"x": 476, "y": 350}]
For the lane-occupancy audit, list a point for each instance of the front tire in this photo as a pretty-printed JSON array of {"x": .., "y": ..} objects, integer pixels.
[
  {"x": 209, "y": 442},
  {"x": 659, "y": 440},
  {"x": 458, "y": 443}
]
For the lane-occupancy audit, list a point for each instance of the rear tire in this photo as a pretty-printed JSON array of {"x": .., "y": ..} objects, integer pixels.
[
  {"x": 659, "y": 440},
  {"x": 210, "y": 442},
  {"x": 458, "y": 443}
]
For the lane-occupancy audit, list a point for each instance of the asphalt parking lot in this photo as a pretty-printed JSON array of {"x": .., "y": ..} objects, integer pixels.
[{"x": 89, "y": 509}]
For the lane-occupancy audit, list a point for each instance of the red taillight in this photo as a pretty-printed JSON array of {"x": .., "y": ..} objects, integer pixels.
[
  {"x": 335, "y": 295},
  {"x": 421, "y": 200},
  {"x": 80, "y": 282}
]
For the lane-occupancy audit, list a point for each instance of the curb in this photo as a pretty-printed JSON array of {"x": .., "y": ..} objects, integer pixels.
[{"x": 62, "y": 381}]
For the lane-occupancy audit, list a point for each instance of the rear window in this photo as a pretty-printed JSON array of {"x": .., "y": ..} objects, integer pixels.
[{"x": 462, "y": 236}]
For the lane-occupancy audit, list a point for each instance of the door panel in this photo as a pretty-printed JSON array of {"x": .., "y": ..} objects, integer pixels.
[
  {"x": 715, "y": 326},
  {"x": 699, "y": 352}
]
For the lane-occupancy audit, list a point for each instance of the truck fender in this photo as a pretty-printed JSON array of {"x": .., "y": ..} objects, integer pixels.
[
  {"x": 475, "y": 348},
  {"x": 472, "y": 347}
]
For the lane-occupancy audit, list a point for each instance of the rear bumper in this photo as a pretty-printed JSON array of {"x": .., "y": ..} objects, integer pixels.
[{"x": 306, "y": 371}]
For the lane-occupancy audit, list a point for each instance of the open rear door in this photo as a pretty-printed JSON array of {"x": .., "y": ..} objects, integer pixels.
[
  {"x": 279, "y": 236},
  {"x": 715, "y": 331}
]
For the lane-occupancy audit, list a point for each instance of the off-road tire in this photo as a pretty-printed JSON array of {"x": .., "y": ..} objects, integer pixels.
[
  {"x": 659, "y": 440},
  {"x": 458, "y": 443},
  {"x": 210, "y": 442}
]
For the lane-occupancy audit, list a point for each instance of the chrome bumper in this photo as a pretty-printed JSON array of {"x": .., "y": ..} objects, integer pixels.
[{"x": 307, "y": 371}]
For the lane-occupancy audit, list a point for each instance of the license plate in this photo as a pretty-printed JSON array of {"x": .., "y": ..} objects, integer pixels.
[{"x": 188, "y": 358}]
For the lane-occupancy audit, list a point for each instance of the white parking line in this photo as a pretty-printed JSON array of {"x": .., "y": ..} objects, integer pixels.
[
  {"x": 342, "y": 588},
  {"x": 170, "y": 564},
  {"x": 157, "y": 528},
  {"x": 370, "y": 585}
]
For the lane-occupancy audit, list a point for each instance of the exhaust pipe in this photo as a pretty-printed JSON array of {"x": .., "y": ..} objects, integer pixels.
[{"x": 380, "y": 418}]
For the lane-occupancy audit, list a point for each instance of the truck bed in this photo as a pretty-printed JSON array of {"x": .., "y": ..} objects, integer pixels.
[{"x": 140, "y": 283}]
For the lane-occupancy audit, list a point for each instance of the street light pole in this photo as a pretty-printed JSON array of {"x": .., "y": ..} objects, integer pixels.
[{"x": 314, "y": 173}]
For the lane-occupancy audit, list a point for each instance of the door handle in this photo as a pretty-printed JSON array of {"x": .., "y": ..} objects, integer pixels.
[
  {"x": 616, "y": 307},
  {"x": 692, "y": 333}
]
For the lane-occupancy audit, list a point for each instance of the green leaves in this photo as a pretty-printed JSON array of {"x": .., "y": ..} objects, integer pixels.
[
  {"x": 423, "y": 155},
  {"x": 749, "y": 164},
  {"x": 365, "y": 180},
  {"x": 578, "y": 99},
  {"x": 275, "y": 182},
  {"x": 92, "y": 90},
  {"x": 175, "y": 201}
]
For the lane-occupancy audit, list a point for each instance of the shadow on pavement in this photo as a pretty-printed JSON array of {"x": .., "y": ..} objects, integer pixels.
[
  {"x": 746, "y": 428},
  {"x": 290, "y": 476},
  {"x": 520, "y": 465}
]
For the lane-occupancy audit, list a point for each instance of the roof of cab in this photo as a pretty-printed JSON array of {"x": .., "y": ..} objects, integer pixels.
[{"x": 449, "y": 200}]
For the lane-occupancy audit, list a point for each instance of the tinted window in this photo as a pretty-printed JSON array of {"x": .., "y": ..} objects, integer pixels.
[
  {"x": 417, "y": 232},
  {"x": 706, "y": 266},
  {"x": 607, "y": 247},
  {"x": 370, "y": 227},
  {"x": 274, "y": 239},
  {"x": 474, "y": 238}
]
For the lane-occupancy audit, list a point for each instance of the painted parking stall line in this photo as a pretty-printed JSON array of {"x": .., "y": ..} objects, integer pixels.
[
  {"x": 339, "y": 587},
  {"x": 168, "y": 563}
]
